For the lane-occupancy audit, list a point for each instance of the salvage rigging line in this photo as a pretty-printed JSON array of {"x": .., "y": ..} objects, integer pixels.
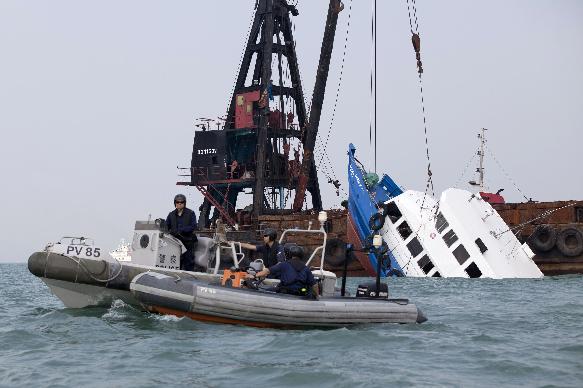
[
  {"x": 324, "y": 146},
  {"x": 307, "y": 104},
  {"x": 230, "y": 96},
  {"x": 326, "y": 168},
  {"x": 465, "y": 170},
  {"x": 373, "y": 64},
  {"x": 543, "y": 215},
  {"x": 507, "y": 176},
  {"x": 375, "y": 85},
  {"x": 416, "y": 40}
]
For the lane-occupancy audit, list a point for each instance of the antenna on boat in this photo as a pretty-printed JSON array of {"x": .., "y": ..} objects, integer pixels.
[{"x": 480, "y": 170}]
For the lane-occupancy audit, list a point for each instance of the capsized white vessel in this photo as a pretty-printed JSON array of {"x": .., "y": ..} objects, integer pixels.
[
  {"x": 123, "y": 252},
  {"x": 459, "y": 236}
]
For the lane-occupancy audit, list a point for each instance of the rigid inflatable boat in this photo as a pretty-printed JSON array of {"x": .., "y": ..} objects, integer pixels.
[
  {"x": 83, "y": 282},
  {"x": 81, "y": 275},
  {"x": 234, "y": 300},
  {"x": 198, "y": 300}
]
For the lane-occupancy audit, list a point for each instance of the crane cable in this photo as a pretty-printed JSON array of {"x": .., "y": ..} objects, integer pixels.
[
  {"x": 230, "y": 96},
  {"x": 324, "y": 144},
  {"x": 373, "y": 85},
  {"x": 326, "y": 168},
  {"x": 416, "y": 41},
  {"x": 307, "y": 104}
]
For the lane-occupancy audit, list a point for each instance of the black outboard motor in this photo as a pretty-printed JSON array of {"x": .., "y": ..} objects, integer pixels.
[{"x": 369, "y": 290}]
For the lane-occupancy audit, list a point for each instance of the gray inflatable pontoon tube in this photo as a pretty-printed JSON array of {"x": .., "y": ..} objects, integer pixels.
[{"x": 198, "y": 300}]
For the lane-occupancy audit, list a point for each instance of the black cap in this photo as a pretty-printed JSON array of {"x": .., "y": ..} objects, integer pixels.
[
  {"x": 271, "y": 233},
  {"x": 180, "y": 198},
  {"x": 286, "y": 249},
  {"x": 296, "y": 251}
]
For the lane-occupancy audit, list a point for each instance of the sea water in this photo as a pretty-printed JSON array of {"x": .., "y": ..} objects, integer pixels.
[{"x": 480, "y": 333}]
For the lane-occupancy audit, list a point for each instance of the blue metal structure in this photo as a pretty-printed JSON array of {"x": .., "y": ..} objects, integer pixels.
[{"x": 362, "y": 204}]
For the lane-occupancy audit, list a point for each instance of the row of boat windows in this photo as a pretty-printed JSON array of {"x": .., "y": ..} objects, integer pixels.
[
  {"x": 415, "y": 247},
  {"x": 460, "y": 252},
  {"x": 426, "y": 266}
]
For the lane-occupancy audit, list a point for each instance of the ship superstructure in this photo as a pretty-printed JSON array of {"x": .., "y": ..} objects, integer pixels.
[{"x": 265, "y": 145}]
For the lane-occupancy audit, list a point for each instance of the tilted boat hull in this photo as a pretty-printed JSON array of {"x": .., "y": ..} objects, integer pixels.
[{"x": 362, "y": 204}]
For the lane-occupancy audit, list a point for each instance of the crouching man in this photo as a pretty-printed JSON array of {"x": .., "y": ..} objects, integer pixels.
[{"x": 295, "y": 277}]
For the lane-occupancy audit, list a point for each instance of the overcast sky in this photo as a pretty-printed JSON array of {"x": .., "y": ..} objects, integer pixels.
[{"x": 98, "y": 100}]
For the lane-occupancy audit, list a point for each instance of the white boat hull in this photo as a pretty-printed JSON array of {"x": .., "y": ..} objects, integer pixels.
[
  {"x": 75, "y": 295},
  {"x": 459, "y": 236}
]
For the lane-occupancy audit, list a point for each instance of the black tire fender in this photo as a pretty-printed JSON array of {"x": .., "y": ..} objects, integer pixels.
[
  {"x": 570, "y": 242},
  {"x": 544, "y": 238},
  {"x": 335, "y": 252},
  {"x": 376, "y": 222}
]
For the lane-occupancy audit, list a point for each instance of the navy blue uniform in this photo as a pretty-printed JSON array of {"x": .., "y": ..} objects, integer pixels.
[
  {"x": 271, "y": 255},
  {"x": 184, "y": 224},
  {"x": 293, "y": 275},
  {"x": 183, "y": 227}
]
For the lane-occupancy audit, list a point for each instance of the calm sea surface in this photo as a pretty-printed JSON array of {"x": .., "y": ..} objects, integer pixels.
[{"x": 480, "y": 333}]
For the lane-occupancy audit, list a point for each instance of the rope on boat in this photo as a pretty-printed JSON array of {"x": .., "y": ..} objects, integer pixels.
[
  {"x": 87, "y": 271},
  {"x": 507, "y": 175},
  {"x": 465, "y": 170}
]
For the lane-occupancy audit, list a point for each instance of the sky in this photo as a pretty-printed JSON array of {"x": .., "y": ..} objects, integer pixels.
[{"x": 98, "y": 102}]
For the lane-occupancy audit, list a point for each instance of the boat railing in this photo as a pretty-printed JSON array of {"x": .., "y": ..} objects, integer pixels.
[
  {"x": 73, "y": 240},
  {"x": 322, "y": 217},
  {"x": 320, "y": 248},
  {"x": 236, "y": 252},
  {"x": 238, "y": 256}
]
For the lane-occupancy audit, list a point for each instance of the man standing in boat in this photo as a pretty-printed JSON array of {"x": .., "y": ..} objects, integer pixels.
[
  {"x": 272, "y": 253},
  {"x": 181, "y": 223}
]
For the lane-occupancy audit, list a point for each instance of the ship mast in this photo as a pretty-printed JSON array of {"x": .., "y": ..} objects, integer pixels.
[{"x": 480, "y": 169}]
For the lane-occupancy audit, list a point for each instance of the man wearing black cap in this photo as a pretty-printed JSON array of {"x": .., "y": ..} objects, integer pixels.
[
  {"x": 295, "y": 277},
  {"x": 272, "y": 253},
  {"x": 181, "y": 223}
]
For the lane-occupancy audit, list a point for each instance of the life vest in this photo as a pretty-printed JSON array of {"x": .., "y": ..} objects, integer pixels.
[
  {"x": 187, "y": 215},
  {"x": 300, "y": 285}
]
